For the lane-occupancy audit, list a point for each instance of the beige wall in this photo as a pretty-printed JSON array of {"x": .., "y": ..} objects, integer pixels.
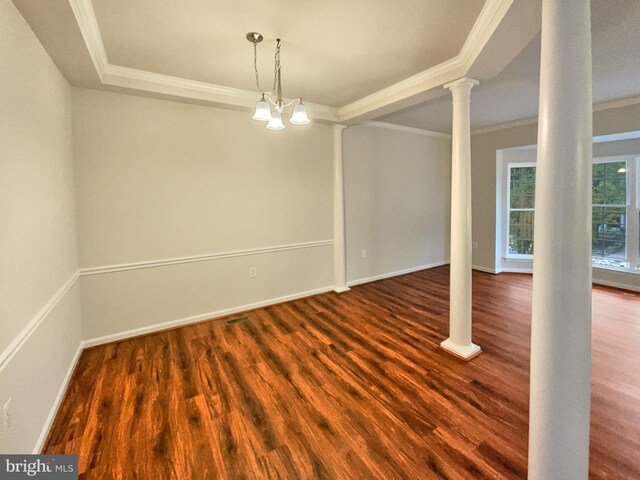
[
  {"x": 483, "y": 158},
  {"x": 158, "y": 180},
  {"x": 397, "y": 193},
  {"x": 37, "y": 232}
]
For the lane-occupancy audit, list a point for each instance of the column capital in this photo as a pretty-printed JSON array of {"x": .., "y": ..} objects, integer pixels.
[
  {"x": 339, "y": 126},
  {"x": 470, "y": 82}
]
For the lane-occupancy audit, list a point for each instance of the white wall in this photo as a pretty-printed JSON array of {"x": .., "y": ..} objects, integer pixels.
[
  {"x": 39, "y": 316},
  {"x": 486, "y": 205},
  {"x": 160, "y": 180},
  {"x": 397, "y": 196}
]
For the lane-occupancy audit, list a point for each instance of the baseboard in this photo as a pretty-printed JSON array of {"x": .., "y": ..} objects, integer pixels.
[
  {"x": 623, "y": 286},
  {"x": 516, "y": 270},
  {"x": 360, "y": 281},
  {"x": 485, "y": 269},
  {"x": 59, "y": 397},
  {"x": 199, "y": 318},
  {"x": 597, "y": 281}
]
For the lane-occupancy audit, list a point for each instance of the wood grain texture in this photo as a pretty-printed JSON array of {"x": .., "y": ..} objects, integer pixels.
[{"x": 344, "y": 386}]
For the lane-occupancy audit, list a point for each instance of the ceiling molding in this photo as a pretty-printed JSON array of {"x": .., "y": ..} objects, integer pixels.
[
  {"x": 426, "y": 80},
  {"x": 88, "y": 24},
  {"x": 504, "y": 125},
  {"x": 490, "y": 17},
  {"x": 622, "y": 102},
  {"x": 126, "y": 77},
  {"x": 403, "y": 128},
  {"x": 118, "y": 76}
]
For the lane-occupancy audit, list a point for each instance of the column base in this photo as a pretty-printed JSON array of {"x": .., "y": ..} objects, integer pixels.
[
  {"x": 341, "y": 289},
  {"x": 465, "y": 352}
]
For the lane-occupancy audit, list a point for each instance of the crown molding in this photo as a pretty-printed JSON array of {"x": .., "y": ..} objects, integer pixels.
[
  {"x": 126, "y": 77},
  {"x": 403, "y": 128},
  {"x": 505, "y": 125},
  {"x": 118, "y": 76},
  {"x": 490, "y": 17},
  {"x": 88, "y": 24},
  {"x": 621, "y": 102}
]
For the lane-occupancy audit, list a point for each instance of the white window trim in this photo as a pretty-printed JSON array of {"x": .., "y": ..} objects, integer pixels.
[
  {"x": 505, "y": 214},
  {"x": 633, "y": 211},
  {"x": 629, "y": 161}
]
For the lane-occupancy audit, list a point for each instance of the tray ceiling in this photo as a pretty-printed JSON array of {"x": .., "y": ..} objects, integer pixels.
[
  {"x": 350, "y": 60},
  {"x": 334, "y": 52}
]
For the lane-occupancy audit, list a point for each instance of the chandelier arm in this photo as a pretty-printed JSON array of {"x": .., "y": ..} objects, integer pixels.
[{"x": 290, "y": 103}]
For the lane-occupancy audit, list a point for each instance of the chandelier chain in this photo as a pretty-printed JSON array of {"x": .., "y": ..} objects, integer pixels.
[{"x": 276, "y": 61}]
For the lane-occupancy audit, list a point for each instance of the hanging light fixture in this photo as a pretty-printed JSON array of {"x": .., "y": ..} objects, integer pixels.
[{"x": 263, "y": 111}]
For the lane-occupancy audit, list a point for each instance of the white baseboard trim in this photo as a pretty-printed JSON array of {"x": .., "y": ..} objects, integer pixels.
[
  {"x": 597, "y": 281},
  {"x": 17, "y": 343},
  {"x": 623, "y": 286},
  {"x": 360, "y": 281},
  {"x": 516, "y": 270},
  {"x": 485, "y": 269},
  {"x": 199, "y": 318},
  {"x": 56, "y": 404}
]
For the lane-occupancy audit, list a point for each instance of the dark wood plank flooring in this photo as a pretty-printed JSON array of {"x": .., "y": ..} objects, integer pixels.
[{"x": 344, "y": 386}]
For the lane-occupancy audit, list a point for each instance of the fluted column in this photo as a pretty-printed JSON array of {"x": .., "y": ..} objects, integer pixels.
[
  {"x": 339, "y": 234},
  {"x": 459, "y": 341},
  {"x": 561, "y": 315}
]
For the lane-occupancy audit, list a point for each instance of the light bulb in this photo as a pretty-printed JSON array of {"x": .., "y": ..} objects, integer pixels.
[
  {"x": 276, "y": 122},
  {"x": 300, "y": 116},
  {"x": 263, "y": 111}
]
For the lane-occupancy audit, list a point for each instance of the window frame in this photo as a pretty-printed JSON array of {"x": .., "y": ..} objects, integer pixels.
[
  {"x": 507, "y": 213},
  {"x": 632, "y": 234},
  {"x": 628, "y": 206}
]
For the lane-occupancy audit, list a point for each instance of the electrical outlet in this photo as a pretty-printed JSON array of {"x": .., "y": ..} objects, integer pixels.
[
  {"x": 364, "y": 254},
  {"x": 475, "y": 244},
  {"x": 252, "y": 272},
  {"x": 6, "y": 416}
]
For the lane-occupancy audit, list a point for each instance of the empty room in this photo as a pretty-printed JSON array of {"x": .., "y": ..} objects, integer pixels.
[{"x": 295, "y": 239}]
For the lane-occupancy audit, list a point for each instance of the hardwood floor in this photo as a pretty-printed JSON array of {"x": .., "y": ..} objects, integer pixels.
[{"x": 344, "y": 386}]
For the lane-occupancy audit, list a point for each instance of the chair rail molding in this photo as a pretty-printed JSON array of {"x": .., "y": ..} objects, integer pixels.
[
  {"x": 199, "y": 258},
  {"x": 35, "y": 322}
]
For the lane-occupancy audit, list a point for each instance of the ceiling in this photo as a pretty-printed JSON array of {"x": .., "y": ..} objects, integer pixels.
[
  {"x": 334, "y": 52},
  {"x": 513, "y": 93},
  {"x": 350, "y": 60}
]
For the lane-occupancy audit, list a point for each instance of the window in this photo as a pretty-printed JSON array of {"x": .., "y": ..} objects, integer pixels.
[
  {"x": 609, "y": 198},
  {"x": 522, "y": 187},
  {"x": 615, "y": 215}
]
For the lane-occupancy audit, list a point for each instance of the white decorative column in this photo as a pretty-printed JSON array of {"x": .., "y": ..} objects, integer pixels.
[
  {"x": 561, "y": 315},
  {"x": 339, "y": 234},
  {"x": 459, "y": 341}
]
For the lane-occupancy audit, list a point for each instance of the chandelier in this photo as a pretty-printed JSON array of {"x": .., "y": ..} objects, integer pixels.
[{"x": 263, "y": 111}]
